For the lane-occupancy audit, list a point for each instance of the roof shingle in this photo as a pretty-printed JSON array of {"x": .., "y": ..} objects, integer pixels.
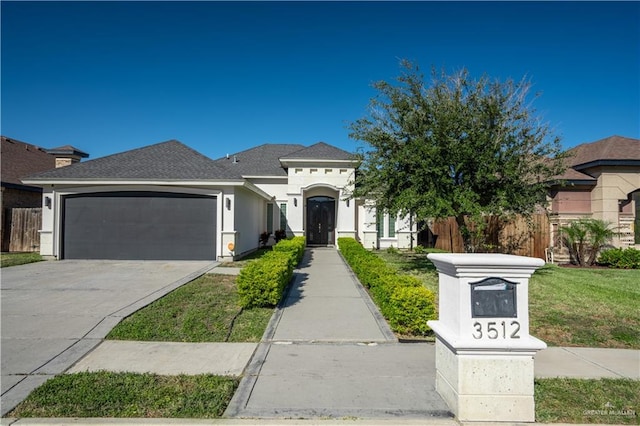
[
  {"x": 612, "y": 149},
  {"x": 321, "y": 151},
  {"x": 20, "y": 159},
  {"x": 171, "y": 160}
]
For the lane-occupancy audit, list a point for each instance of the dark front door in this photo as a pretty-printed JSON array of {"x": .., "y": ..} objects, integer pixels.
[{"x": 321, "y": 218}]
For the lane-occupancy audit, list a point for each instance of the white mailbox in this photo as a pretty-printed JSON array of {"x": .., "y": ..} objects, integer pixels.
[{"x": 484, "y": 353}]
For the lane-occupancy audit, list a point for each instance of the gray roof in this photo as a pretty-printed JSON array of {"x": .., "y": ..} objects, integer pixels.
[
  {"x": 171, "y": 160},
  {"x": 263, "y": 160},
  {"x": 321, "y": 151},
  {"x": 67, "y": 150}
]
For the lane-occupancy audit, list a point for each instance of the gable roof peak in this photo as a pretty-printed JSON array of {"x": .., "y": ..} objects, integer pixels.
[{"x": 320, "y": 151}]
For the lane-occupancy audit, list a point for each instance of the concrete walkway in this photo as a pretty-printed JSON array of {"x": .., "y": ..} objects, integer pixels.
[{"x": 329, "y": 354}]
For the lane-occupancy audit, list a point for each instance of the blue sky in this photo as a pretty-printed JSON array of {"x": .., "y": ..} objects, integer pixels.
[{"x": 221, "y": 77}]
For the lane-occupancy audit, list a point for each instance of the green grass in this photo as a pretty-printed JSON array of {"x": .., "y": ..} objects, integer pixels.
[
  {"x": 604, "y": 401},
  {"x": 241, "y": 263},
  {"x": 594, "y": 307},
  {"x": 585, "y": 307},
  {"x": 413, "y": 264},
  {"x": 13, "y": 259},
  {"x": 105, "y": 394},
  {"x": 204, "y": 310}
]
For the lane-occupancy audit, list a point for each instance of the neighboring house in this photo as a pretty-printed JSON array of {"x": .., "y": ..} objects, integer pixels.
[
  {"x": 167, "y": 201},
  {"x": 601, "y": 182},
  {"x": 21, "y": 159}
]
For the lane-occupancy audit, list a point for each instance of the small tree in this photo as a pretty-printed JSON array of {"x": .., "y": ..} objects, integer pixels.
[
  {"x": 585, "y": 238},
  {"x": 455, "y": 147}
]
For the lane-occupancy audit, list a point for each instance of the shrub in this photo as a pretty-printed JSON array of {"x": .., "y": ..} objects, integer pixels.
[
  {"x": 628, "y": 258},
  {"x": 419, "y": 249},
  {"x": 295, "y": 245},
  {"x": 262, "y": 282},
  {"x": 412, "y": 307},
  {"x": 402, "y": 299},
  {"x": 279, "y": 235}
]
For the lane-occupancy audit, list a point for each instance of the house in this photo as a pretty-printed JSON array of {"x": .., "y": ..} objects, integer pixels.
[
  {"x": 21, "y": 159},
  {"x": 167, "y": 201},
  {"x": 602, "y": 181}
]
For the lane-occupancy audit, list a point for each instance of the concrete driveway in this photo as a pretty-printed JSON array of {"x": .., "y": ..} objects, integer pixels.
[{"x": 54, "y": 312}]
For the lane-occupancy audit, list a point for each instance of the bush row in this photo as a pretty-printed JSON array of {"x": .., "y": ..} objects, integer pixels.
[
  {"x": 403, "y": 300},
  {"x": 628, "y": 258},
  {"x": 262, "y": 282}
]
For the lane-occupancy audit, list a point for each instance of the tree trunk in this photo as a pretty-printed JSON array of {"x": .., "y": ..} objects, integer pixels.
[{"x": 464, "y": 232}]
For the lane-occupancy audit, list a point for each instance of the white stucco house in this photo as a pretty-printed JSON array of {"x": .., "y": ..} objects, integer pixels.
[{"x": 167, "y": 201}]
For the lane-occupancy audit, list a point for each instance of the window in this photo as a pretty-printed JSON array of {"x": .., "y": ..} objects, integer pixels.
[
  {"x": 270, "y": 218},
  {"x": 392, "y": 226},
  {"x": 283, "y": 216},
  {"x": 380, "y": 223}
]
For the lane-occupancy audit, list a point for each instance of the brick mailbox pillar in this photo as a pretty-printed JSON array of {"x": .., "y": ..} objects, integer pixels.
[{"x": 484, "y": 353}]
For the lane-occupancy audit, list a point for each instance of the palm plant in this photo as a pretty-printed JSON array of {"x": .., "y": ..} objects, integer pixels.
[{"x": 585, "y": 238}]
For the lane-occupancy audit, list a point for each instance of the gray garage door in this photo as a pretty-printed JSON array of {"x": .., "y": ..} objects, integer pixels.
[{"x": 139, "y": 226}]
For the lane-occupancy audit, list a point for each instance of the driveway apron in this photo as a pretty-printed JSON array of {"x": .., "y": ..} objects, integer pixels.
[
  {"x": 329, "y": 353},
  {"x": 54, "y": 312}
]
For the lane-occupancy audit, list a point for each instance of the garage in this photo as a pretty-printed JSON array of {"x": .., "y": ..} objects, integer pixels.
[{"x": 139, "y": 226}]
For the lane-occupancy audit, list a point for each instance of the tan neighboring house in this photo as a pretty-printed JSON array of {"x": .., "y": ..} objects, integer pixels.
[{"x": 601, "y": 182}]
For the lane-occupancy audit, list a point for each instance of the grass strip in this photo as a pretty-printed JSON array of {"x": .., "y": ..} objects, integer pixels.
[
  {"x": 603, "y": 401},
  {"x": 14, "y": 259},
  {"x": 105, "y": 394},
  {"x": 204, "y": 310}
]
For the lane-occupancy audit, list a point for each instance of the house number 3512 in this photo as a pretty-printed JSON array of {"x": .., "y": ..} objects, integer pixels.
[{"x": 494, "y": 330}]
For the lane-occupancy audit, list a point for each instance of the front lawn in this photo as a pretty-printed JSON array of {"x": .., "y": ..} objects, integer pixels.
[
  {"x": 105, "y": 394},
  {"x": 586, "y": 307},
  {"x": 204, "y": 310},
  {"x": 13, "y": 259},
  {"x": 567, "y": 306}
]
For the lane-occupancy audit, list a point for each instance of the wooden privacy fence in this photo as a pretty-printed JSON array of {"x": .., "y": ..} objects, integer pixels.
[
  {"x": 521, "y": 236},
  {"x": 25, "y": 224}
]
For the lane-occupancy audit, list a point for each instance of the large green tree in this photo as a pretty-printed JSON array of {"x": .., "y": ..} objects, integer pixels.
[{"x": 455, "y": 146}]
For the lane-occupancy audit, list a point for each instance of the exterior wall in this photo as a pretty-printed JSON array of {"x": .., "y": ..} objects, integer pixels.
[
  {"x": 250, "y": 217},
  {"x": 276, "y": 187},
  {"x": 614, "y": 187},
  {"x": 572, "y": 201},
  {"x": 614, "y": 184},
  {"x": 326, "y": 179},
  {"x": 367, "y": 233}
]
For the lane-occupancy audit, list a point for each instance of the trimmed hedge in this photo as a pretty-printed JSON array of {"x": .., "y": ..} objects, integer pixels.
[
  {"x": 628, "y": 258},
  {"x": 295, "y": 244},
  {"x": 262, "y": 282},
  {"x": 402, "y": 299}
]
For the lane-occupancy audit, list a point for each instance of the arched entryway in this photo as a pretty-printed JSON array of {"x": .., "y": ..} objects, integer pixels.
[{"x": 321, "y": 220}]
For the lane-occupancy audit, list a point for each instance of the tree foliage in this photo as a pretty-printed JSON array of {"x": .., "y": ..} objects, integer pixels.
[{"x": 454, "y": 146}]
